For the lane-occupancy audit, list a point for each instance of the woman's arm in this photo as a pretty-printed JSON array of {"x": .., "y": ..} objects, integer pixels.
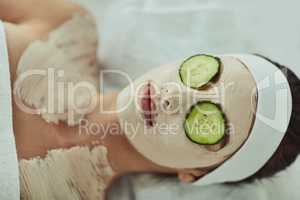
[
  {"x": 29, "y": 20},
  {"x": 13, "y": 10},
  {"x": 16, "y": 11}
]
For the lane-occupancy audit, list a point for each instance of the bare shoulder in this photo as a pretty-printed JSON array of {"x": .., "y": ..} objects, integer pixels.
[
  {"x": 21, "y": 31},
  {"x": 34, "y": 25},
  {"x": 18, "y": 38}
]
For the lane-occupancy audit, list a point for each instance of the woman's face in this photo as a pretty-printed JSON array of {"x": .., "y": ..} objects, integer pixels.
[{"x": 153, "y": 110}]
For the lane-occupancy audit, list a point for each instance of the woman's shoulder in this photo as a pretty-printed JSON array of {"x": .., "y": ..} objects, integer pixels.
[{"x": 35, "y": 25}]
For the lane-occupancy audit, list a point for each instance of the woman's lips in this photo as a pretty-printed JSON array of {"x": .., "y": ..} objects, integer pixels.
[{"x": 147, "y": 104}]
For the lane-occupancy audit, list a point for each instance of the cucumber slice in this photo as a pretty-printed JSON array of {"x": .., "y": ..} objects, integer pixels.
[
  {"x": 198, "y": 70},
  {"x": 205, "y": 124}
]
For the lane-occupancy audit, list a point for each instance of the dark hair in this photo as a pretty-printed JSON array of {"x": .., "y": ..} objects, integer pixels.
[{"x": 289, "y": 147}]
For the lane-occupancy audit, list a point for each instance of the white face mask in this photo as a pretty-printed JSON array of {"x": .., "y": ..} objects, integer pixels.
[{"x": 159, "y": 135}]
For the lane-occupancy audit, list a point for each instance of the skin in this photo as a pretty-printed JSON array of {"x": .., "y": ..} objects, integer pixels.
[{"x": 26, "y": 23}]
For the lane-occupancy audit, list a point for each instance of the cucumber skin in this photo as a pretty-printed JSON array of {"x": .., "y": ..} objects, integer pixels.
[
  {"x": 186, "y": 132},
  {"x": 218, "y": 60}
]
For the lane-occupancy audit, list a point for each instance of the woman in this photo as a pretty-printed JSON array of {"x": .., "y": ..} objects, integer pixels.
[{"x": 32, "y": 23}]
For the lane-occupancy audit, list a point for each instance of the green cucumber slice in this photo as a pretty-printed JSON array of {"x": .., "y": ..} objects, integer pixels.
[
  {"x": 198, "y": 70},
  {"x": 205, "y": 124}
]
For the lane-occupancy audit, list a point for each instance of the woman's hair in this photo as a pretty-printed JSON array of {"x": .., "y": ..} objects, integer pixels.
[{"x": 289, "y": 147}]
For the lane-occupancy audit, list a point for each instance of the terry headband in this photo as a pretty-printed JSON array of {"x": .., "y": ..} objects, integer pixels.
[{"x": 274, "y": 108}]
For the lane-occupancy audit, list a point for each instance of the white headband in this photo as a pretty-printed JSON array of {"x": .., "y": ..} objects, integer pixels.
[{"x": 274, "y": 108}]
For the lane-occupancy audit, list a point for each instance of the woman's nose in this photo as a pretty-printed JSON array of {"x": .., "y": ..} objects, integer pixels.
[
  {"x": 170, "y": 98},
  {"x": 175, "y": 97}
]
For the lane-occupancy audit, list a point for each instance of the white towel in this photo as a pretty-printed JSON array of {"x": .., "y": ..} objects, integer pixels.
[{"x": 9, "y": 174}]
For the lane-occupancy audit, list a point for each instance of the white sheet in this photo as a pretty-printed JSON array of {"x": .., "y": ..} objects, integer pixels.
[
  {"x": 140, "y": 34},
  {"x": 9, "y": 172}
]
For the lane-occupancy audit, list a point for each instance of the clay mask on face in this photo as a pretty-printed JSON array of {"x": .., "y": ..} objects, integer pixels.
[{"x": 154, "y": 108}]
